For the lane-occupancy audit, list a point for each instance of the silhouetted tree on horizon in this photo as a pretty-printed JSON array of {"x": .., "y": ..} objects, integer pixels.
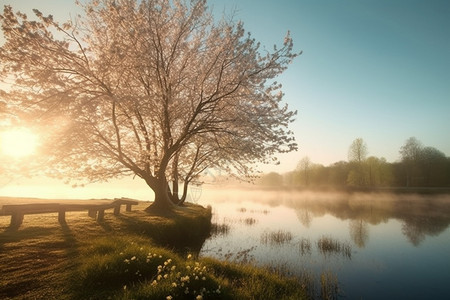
[
  {"x": 410, "y": 155},
  {"x": 357, "y": 153},
  {"x": 304, "y": 166},
  {"x": 358, "y": 150}
]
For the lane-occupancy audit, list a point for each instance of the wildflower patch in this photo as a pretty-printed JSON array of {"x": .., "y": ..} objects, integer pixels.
[{"x": 133, "y": 270}]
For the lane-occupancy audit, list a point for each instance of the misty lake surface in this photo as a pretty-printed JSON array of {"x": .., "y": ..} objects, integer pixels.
[{"x": 382, "y": 247}]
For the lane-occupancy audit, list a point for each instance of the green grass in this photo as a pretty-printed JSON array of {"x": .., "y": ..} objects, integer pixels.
[
  {"x": 329, "y": 286},
  {"x": 130, "y": 268},
  {"x": 244, "y": 281},
  {"x": 136, "y": 255}
]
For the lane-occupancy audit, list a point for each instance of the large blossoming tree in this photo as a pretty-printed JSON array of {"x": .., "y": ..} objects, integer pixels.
[{"x": 157, "y": 89}]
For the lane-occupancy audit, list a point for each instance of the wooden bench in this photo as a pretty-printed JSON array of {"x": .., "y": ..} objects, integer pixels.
[{"x": 97, "y": 211}]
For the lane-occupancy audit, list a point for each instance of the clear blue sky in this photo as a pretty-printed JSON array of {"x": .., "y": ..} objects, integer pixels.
[{"x": 379, "y": 70}]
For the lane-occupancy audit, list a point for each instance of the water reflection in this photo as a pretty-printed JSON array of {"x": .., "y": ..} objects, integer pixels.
[
  {"x": 305, "y": 217},
  {"x": 421, "y": 216},
  {"x": 359, "y": 232},
  {"x": 379, "y": 246}
]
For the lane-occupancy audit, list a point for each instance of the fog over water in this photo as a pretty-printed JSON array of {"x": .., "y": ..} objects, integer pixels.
[{"x": 380, "y": 246}]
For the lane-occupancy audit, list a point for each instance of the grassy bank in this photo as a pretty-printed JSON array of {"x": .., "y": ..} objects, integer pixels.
[{"x": 135, "y": 255}]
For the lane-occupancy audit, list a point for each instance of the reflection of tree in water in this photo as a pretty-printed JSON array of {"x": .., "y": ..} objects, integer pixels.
[
  {"x": 305, "y": 217},
  {"x": 413, "y": 232},
  {"x": 359, "y": 232},
  {"x": 418, "y": 227},
  {"x": 427, "y": 215}
]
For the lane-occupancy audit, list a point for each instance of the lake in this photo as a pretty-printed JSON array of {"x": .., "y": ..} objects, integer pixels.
[{"x": 376, "y": 246}]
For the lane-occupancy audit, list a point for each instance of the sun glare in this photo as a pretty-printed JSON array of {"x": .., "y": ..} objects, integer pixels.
[{"x": 18, "y": 142}]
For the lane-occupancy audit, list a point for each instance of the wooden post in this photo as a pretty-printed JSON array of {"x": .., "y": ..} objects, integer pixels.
[
  {"x": 101, "y": 214},
  {"x": 129, "y": 207},
  {"x": 117, "y": 209},
  {"x": 92, "y": 213},
  {"x": 16, "y": 219},
  {"x": 62, "y": 216}
]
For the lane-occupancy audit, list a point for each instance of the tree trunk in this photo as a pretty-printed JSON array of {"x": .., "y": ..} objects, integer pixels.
[
  {"x": 160, "y": 187},
  {"x": 185, "y": 190},
  {"x": 162, "y": 200},
  {"x": 174, "y": 196}
]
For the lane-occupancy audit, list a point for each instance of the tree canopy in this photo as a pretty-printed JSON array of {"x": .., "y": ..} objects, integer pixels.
[{"x": 156, "y": 89}]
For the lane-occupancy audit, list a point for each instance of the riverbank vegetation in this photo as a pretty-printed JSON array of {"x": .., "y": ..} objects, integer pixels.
[
  {"x": 419, "y": 166},
  {"x": 136, "y": 255}
]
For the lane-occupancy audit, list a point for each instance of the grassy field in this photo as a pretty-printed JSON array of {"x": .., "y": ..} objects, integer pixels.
[{"x": 135, "y": 255}]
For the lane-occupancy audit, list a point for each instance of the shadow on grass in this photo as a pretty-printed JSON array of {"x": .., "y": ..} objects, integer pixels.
[
  {"x": 182, "y": 236},
  {"x": 105, "y": 225},
  {"x": 14, "y": 236},
  {"x": 35, "y": 261},
  {"x": 70, "y": 241}
]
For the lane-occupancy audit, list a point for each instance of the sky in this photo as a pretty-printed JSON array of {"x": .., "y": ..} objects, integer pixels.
[
  {"x": 376, "y": 70},
  {"x": 379, "y": 70}
]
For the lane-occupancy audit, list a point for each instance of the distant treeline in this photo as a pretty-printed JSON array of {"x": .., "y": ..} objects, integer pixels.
[{"x": 418, "y": 167}]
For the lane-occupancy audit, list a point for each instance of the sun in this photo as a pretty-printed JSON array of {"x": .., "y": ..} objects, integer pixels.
[{"x": 18, "y": 142}]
